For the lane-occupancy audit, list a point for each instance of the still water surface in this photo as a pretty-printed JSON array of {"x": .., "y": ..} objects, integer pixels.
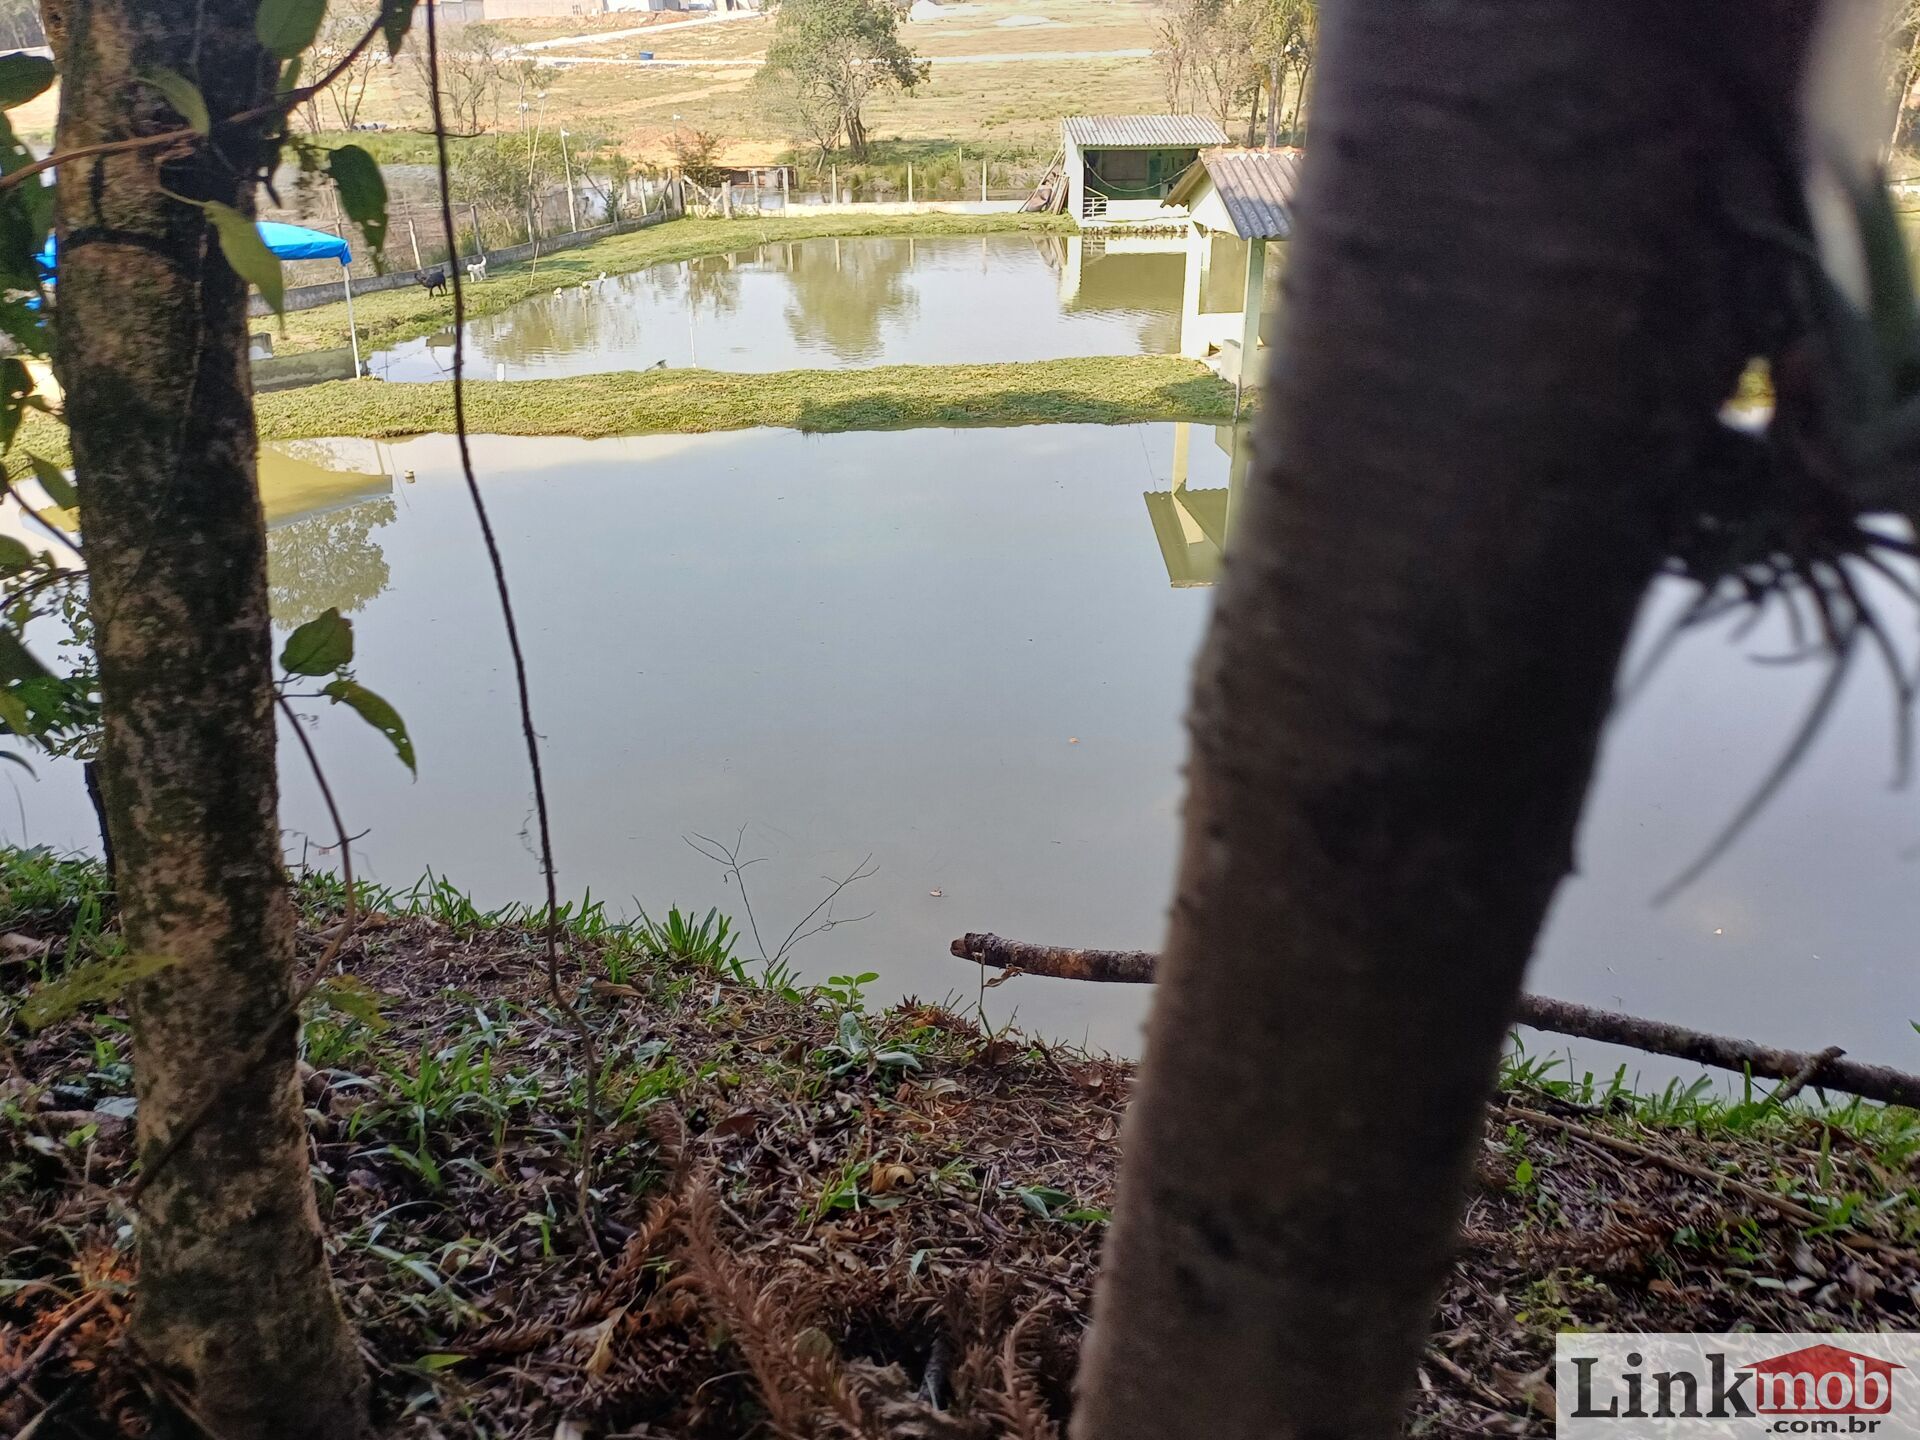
[
  {"x": 965, "y": 653},
  {"x": 833, "y": 303}
]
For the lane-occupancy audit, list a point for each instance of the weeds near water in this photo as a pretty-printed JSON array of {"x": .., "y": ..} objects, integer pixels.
[{"x": 776, "y": 971}]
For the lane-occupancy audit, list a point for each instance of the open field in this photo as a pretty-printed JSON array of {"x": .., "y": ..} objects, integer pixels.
[
  {"x": 1015, "y": 105},
  {"x": 979, "y": 29}
]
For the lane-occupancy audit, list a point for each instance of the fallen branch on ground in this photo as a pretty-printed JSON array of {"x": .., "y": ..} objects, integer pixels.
[{"x": 1824, "y": 1069}]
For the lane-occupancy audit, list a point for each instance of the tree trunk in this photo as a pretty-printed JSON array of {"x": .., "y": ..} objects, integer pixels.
[
  {"x": 1273, "y": 102},
  {"x": 1299, "y": 99},
  {"x": 234, "y": 1302},
  {"x": 1508, "y": 333}
]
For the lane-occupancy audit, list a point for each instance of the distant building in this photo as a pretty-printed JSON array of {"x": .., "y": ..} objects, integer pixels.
[
  {"x": 1236, "y": 203},
  {"x": 1121, "y": 168},
  {"x": 540, "y": 9}
]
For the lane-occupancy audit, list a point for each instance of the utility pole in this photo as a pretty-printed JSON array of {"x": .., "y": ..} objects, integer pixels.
[{"x": 573, "y": 215}]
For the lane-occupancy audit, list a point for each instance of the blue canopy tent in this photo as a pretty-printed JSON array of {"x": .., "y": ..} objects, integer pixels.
[{"x": 287, "y": 242}]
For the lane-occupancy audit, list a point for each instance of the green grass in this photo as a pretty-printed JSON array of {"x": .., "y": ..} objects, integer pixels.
[
  {"x": 395, "y": 315},
  {"x": 1103, "y": 390}
]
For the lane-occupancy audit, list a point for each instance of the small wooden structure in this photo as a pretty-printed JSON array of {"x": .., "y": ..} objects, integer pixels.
[
  {"x": 1239, "y": 201},
  {"x": 1119, "y": 169}
]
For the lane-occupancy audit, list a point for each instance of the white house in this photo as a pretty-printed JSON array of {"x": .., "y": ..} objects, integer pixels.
[
  {"x": 1120, "y": 168},
  {"x": 1236, "y": 203}
]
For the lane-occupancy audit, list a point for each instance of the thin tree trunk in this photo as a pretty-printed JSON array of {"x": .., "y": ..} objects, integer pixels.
[
  {"x": 1507, "y": 337},
  {"x": 1273, "y": 102},
  {"x": 1299, "y": 100},
  {"x": 233, "y": 1299}
]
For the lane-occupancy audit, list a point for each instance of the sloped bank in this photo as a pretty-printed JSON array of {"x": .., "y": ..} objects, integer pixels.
[{"x": 821, "y": 1220}]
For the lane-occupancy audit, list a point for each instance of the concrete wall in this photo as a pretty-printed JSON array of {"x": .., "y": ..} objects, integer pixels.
[
  {"x": 898, "y": 207},
  {"x": 305, "y": 297},
  {"x": 540, "y": 9}
]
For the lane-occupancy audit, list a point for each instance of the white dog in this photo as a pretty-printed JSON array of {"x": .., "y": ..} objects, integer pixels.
[{"x": 477, "y": 269}]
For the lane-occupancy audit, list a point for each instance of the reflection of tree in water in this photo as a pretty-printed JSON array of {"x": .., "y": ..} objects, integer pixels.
[
  {"x": 327, "y": 560},
  {"x": 844, "y": 291},
  {"x": 621, "y": 314}
]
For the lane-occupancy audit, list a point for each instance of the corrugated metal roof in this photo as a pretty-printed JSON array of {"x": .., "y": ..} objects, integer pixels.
[
  {"x": 1143, "y": 130},
  {"x": 1256, "y": 186}
]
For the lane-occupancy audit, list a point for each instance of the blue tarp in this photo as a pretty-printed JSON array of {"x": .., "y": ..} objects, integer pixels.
[{"x": 289, "y": 242}]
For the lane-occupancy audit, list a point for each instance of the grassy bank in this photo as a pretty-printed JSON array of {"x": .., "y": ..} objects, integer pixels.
[
  {"x": 1102, "y": 390},
  {"x": 805, "y": 1199},
  {"x": 395, "y": 315}
]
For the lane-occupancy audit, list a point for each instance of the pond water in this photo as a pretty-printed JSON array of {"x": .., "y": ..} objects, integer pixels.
[
  {"x": 834, "y": 303},
  {"x": 965, "y": 654}
]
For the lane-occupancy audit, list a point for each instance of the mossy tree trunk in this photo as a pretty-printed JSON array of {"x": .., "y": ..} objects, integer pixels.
[
  {"x": 1512, "y": 314},
  {"x": 234, "y": 1301}
]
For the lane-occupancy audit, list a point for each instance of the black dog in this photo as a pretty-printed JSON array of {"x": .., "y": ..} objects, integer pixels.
[{"x": 435, "y": 281}]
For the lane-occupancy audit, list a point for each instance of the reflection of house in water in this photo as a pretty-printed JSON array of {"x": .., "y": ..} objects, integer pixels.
[
  {"x": 1192, "y": 525},
  {"x": 322, "y": 500},
  {"x": 1133, "y": 275}
]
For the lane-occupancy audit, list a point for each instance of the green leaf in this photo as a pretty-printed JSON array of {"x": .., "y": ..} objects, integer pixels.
[
  {"x": 363, "y": 192},
  {"x": 247, "y": 253},
  {"x": 319, "y": 647},
  {"x": 182, "y": 94},
  {"x": 16, "y": 384},
  {"x": 16, "y": 661},
  {"x": 442, "y": 1360},
  {"x": 22, "y": 77},
  {"x": 1042, "y": 1200},
  {"x": 351, "y": 995},
  {"x": 54, "y": 481},
  {"x": 377, "y": 713},
  {"x": 396, "y": 18},
  {"x": 89, "y": 983},
  {"x": 286, "y": 27},
  {"x": 289, "y": 77},
  {"x": 13, "y": 555}
]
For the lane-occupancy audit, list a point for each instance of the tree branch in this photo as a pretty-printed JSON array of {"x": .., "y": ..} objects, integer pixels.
[{"x": 1824, "y": 1068}]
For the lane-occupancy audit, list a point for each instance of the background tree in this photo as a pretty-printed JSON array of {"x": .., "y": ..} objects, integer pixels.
[
  {"x": 1491, "y": 418},
  {"x": 475, "y": 62},
  {"x": 1903, "y": 68},
  {"x": 150, "y": 345},
  {"x": 333, "y": 46},
  {"x": 697, "y": 154},
  {"x": 837, "y": 53},
  {"x": 20, "y": 25},
  {"x": 1237, "y": 59}
]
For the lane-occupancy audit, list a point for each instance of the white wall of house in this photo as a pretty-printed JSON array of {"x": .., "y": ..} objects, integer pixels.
[{"x": 1203, "y": 332}]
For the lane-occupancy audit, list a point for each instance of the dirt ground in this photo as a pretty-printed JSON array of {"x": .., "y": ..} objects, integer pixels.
[{"x": 820, "y": 1221}]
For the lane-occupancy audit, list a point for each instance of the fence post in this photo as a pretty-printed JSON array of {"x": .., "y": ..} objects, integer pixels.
[
  {"x": 833, "y": 185},
  {"x": 909, "y": 182},
  {"x": 983, "y": 182},
  {"x": 415, "y": 238}
]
